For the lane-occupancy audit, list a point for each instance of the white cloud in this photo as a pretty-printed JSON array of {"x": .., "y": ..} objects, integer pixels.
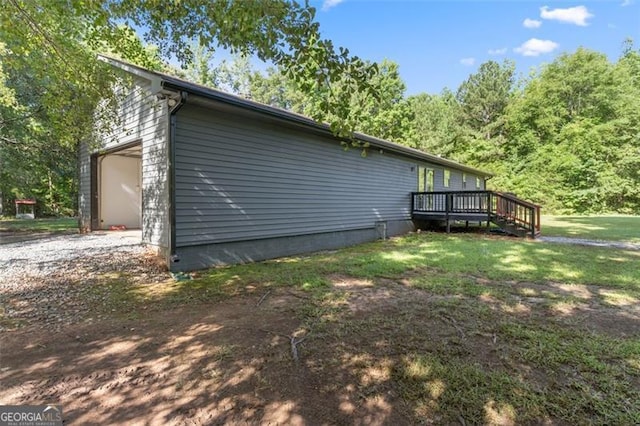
[
  {"x": 626, "y": 3},
  {"x": 501, "y": 51},
  {"x": 536, "y": 47},
  {"x": 467, "y": 62},
  {"x": 573, "y": 15},
  {"x": 531, "y": 23},
  {"x": 328, "y": 4}
]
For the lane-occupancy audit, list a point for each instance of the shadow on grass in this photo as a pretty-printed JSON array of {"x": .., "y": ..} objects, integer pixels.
[{"x": 425, "y": 328}]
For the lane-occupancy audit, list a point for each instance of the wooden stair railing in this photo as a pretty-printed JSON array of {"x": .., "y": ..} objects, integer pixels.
[
  {"x": 510, "y": 213},
  {"x": 515, "y": 215}
]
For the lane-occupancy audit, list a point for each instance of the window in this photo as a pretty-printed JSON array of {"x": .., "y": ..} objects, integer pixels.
[
  {"x": 478, "y": 185},
  {"x": 447, "y": 178},
  {"x": 425, "y": 179},
  {"x": 464, "y": 180}
]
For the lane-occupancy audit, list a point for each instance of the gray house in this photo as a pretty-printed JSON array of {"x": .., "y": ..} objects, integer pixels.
[{"x": 211, "y": 178}]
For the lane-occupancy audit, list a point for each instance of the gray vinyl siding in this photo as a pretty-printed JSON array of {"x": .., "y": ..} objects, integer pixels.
[
  {"x": 242, "y": 179},
  {"x": 155, "y": 178},
  {"x": 141, "y": 117}
]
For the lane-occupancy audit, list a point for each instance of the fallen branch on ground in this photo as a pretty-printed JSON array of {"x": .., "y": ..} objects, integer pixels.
[
  {"x": 292, "y": 341},
  {"x": 294, "y": 347},
  {"x": 262, "y": 298}
]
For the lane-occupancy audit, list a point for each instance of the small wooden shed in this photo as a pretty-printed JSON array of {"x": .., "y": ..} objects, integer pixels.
[{"x": 26, "y": 208}]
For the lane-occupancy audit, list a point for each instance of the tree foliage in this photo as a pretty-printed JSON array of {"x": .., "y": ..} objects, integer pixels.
[
  {"x": 53, "y": 44},
  {"x": 574, "y": 127},
  {"x": 435, "y": 126},
  {"x": 567, "y": 137},
  {"x": 484, "y": 96},
  {"x": 33, "y": 162},
  {"x": 385, "y": 116}
]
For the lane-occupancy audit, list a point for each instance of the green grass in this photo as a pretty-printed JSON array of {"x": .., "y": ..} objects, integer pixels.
[
  {"x": 39, "y": 225},
  {"x": 477, "y": 329},
  {"x": 437, "y": 262},
  {"x": 614, "y": 228}
]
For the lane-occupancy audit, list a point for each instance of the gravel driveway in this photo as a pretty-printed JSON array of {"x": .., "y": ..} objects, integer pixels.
[
  {"x": 46, "y": 281},
  {"x": 595, "y": 243},
  {"x": 41, "y": 257}
]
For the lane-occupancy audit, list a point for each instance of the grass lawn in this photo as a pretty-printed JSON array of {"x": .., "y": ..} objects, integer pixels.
[
  {"x": 39, "y": 225},
  {"x": 451, "y": 329},
  {"x": 615, "y": 228}
]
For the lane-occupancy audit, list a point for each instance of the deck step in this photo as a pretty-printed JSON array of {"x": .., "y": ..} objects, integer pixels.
[{"x": 511, "y": 227}]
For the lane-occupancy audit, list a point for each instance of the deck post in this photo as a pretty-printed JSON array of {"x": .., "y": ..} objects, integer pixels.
[
  {"x": 533, "y": 222},
  {"x": 413, "y": 202},
  {"x": 447, "y": 207},
  {"x": 488, "y": 211}
]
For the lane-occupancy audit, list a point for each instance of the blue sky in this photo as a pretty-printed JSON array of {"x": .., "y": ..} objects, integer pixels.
[{"x": 439, "y": 43}]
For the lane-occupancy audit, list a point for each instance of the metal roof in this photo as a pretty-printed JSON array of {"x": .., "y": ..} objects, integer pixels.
[{"x": 161, "y": 80}]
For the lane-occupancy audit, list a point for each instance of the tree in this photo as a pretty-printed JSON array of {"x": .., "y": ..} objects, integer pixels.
[
  {"x": 574, "y": 134},
  {"x": 235, "y": 76},
  {"x": 200, "y": 69},
  {"x": 276, "y": 89},
  {"x": 386, "y": 115},
  {"x": 484, "y": 96},
  {"x": 32, "y": 162},
  {"x": 435, "y": 127},
  {"x": 58, "y": 81},
  {"x": 285, "y": 33},
  {"x": 467, "y": 126}
]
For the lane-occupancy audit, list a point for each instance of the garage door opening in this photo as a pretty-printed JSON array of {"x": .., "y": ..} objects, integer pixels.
[{"x": 119, "y": 188}]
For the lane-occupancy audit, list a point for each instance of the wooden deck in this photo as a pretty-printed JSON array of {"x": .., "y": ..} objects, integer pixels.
[{"x": 513, "y": 215}]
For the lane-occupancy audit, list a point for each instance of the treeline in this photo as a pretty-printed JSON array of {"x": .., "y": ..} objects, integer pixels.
[
  {"x": 567, "y": 136},
  {"x": 34, "y": 161}
]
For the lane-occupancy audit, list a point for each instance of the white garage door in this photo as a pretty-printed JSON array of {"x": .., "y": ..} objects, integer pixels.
[{"x": 120, "y": 194}]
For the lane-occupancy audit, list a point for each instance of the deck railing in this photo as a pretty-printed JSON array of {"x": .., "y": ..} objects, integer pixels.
[
  {"x": 451, "y": 202},
  {"x": 498, "y": 207},
  {"x": 511, "y": 208}
]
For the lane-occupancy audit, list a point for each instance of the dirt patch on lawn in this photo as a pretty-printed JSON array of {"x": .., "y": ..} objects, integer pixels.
[
  {"x": 286, "y": 358},
  {"x": 220, "y": 363}
]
